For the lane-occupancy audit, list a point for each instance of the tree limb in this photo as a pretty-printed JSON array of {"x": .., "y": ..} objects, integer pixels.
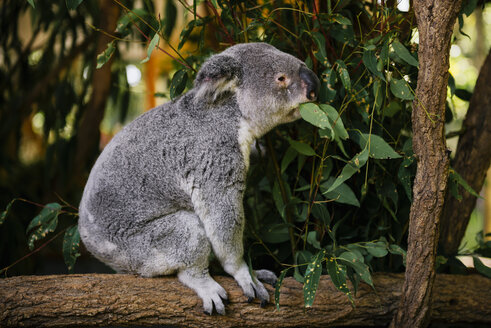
[
  {"x": 471, "y": 161},
  {"x": 115, "y": 300}
]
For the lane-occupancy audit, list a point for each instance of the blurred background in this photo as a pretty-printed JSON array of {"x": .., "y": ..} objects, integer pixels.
[{"x": 57, "y": 110}]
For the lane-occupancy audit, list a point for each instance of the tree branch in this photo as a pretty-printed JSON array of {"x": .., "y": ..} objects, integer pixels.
[
  {"x": 116, "y": 300},
  {"x": 471, "y": 161}
]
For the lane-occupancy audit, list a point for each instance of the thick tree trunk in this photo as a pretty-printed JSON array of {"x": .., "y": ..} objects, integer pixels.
[
  {"x": 88, "y": 135},
  {"x": 435, "y": 19},
  {"x": 471, "y": 161},
  {"x": 115, "y": 300}
]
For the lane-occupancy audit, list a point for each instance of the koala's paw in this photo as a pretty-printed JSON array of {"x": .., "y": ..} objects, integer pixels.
[
  {"x": 251, "y": 287},
  {"x": 210, "y": 292},
  {"x": 267, "y": 277},
  {"x": 213, "y": 295}
]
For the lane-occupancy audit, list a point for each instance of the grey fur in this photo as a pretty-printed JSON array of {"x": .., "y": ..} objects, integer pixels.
[{"x": 168, "y": 188}]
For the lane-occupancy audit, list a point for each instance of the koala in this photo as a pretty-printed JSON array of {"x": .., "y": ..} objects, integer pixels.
[{"x": 168, "y": 189}]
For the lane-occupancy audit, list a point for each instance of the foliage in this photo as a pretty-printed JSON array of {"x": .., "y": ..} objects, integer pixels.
[{"x": 332, "y": 194}]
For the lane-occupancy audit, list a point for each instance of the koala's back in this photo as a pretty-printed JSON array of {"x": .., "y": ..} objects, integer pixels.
[{"x": 147, "y": 170}]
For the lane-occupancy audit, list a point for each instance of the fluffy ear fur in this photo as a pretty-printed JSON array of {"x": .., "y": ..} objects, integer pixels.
[{"x": 218, "y": 76}]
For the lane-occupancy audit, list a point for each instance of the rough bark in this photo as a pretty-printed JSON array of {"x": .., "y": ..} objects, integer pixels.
[
  {"x": 114, "y": 300},
  {"x": 471, "y": 161},
  {"x": 88, "y": 135},
  {"x": 435, "y": 19}
]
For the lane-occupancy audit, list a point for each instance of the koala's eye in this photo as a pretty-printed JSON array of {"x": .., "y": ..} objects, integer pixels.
[{"x": 281, "y": 78}]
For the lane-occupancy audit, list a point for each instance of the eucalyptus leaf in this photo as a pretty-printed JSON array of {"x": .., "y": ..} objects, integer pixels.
[
  {"x": 378, "y": 147},
  {"x": 338, "y": 277},
  {"x": 104, "y": 57},
  {"x": 289, "y": 156},
  {"x": 314, "y": 115},
  {"x": 370, "y": 62},
  {"x": 342, "y": 194},
  {"x": 277, "y": 288},
  {"x": 178, "y": 83},
  {"x": 481, "y": 268},
  {"x": 400, "y": 89},
  {"x": 311, "y": 279},
  {"x": 404, "y": 54},
  {"x": 302, "y": 148},
  {"x": 350, "y": 259},
  {"x": 152, "y": 45},
  {"x": 335, "y": 121},
  {"x": 71, "y": 244},
  {"x": 342, "y": 71},
  {"x": 4, "y": 213},
  {"x": 358, "y": 161}
]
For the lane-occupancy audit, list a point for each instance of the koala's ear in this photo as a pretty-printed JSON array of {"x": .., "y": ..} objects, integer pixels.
[{"x": 218, "y": 75}]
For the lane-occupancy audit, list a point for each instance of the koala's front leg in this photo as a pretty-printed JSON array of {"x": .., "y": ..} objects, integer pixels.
[{"x": 222, "y": 214}]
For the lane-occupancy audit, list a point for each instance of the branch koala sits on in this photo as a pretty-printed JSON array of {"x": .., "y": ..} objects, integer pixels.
[{"x": 168, "y": 189}]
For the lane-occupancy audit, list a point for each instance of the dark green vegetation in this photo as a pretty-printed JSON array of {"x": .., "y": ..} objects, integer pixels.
[{"x": 330, "y": 194}]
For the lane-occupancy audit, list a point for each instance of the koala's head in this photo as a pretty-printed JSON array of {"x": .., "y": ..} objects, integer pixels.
[{"x": 268, "y": 84}]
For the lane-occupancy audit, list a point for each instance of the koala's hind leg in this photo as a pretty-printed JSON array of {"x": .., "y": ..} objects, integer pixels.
[{"x": 178, "y": 243}]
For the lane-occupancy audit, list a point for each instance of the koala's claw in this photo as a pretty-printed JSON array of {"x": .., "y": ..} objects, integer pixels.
[
  {"x": 250, "y": 299},
  {"x": 263, "y": 303},
  {"x": 267, "y": 277}
]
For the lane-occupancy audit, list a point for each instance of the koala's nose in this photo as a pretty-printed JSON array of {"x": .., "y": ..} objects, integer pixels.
[{"x": 312, "y": 82}]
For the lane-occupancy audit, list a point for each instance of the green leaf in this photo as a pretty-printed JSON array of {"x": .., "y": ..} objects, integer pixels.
[
  {"x": 104, "y": 56},
  {"x": 338, "y": 277},
  {"x": 48, "y": 212},
  {"x": 279, "y": 282},
  {"x": 335, "y": 121},
  {"x": 45, "y": 222},
  {"x": 327, "y": 91},
  {"x": 351, "y": 259},
  {"x": 31, "y": 2},
  {"x": 302, "y": 148},
  {"x": 370, "y": 62},
  {"x": 343, "y": 74},
  {"x": 405, "y": 176},
  {"x": 321, "y": 45},
  {"x": 393, "y": 108},
  {"x": 312, "y": 239},
  {"x": 358, "y": 161},
  {"x": 396, "y": 249},
  {"x": 170, "y": 18},
  {"x": 275, "y": 233},
  {"x": 455, "y": 179},
  {"x": 342, "y": 194},
  {"x": 379, "y": 148},
  {"x": 152, "y": 45},
  {"x": 400, "y": 89},
  {"x": 463, "y": 94},
  {"x": 278, "y": 200},
  {"x": 378, "y": 96},
  {"x": 314, "y": 115},
  {"x": 186, "y": 33},
  {"x": 403, "y": 53},
  {"x": 73, "y": 4},
  {"x": 290, "y": 155},
  {"x": 71, "y": 243},
  {"x": 4, "y": 214},
  {"x": 320, "y": 212},
  {"x": 377, "y": 249},
  {"x": 338, "y": 18},
  {"x": 311, "y": 279},
  {"x": 178, "y": 83},
  {"x": 481, "y": 268}
]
